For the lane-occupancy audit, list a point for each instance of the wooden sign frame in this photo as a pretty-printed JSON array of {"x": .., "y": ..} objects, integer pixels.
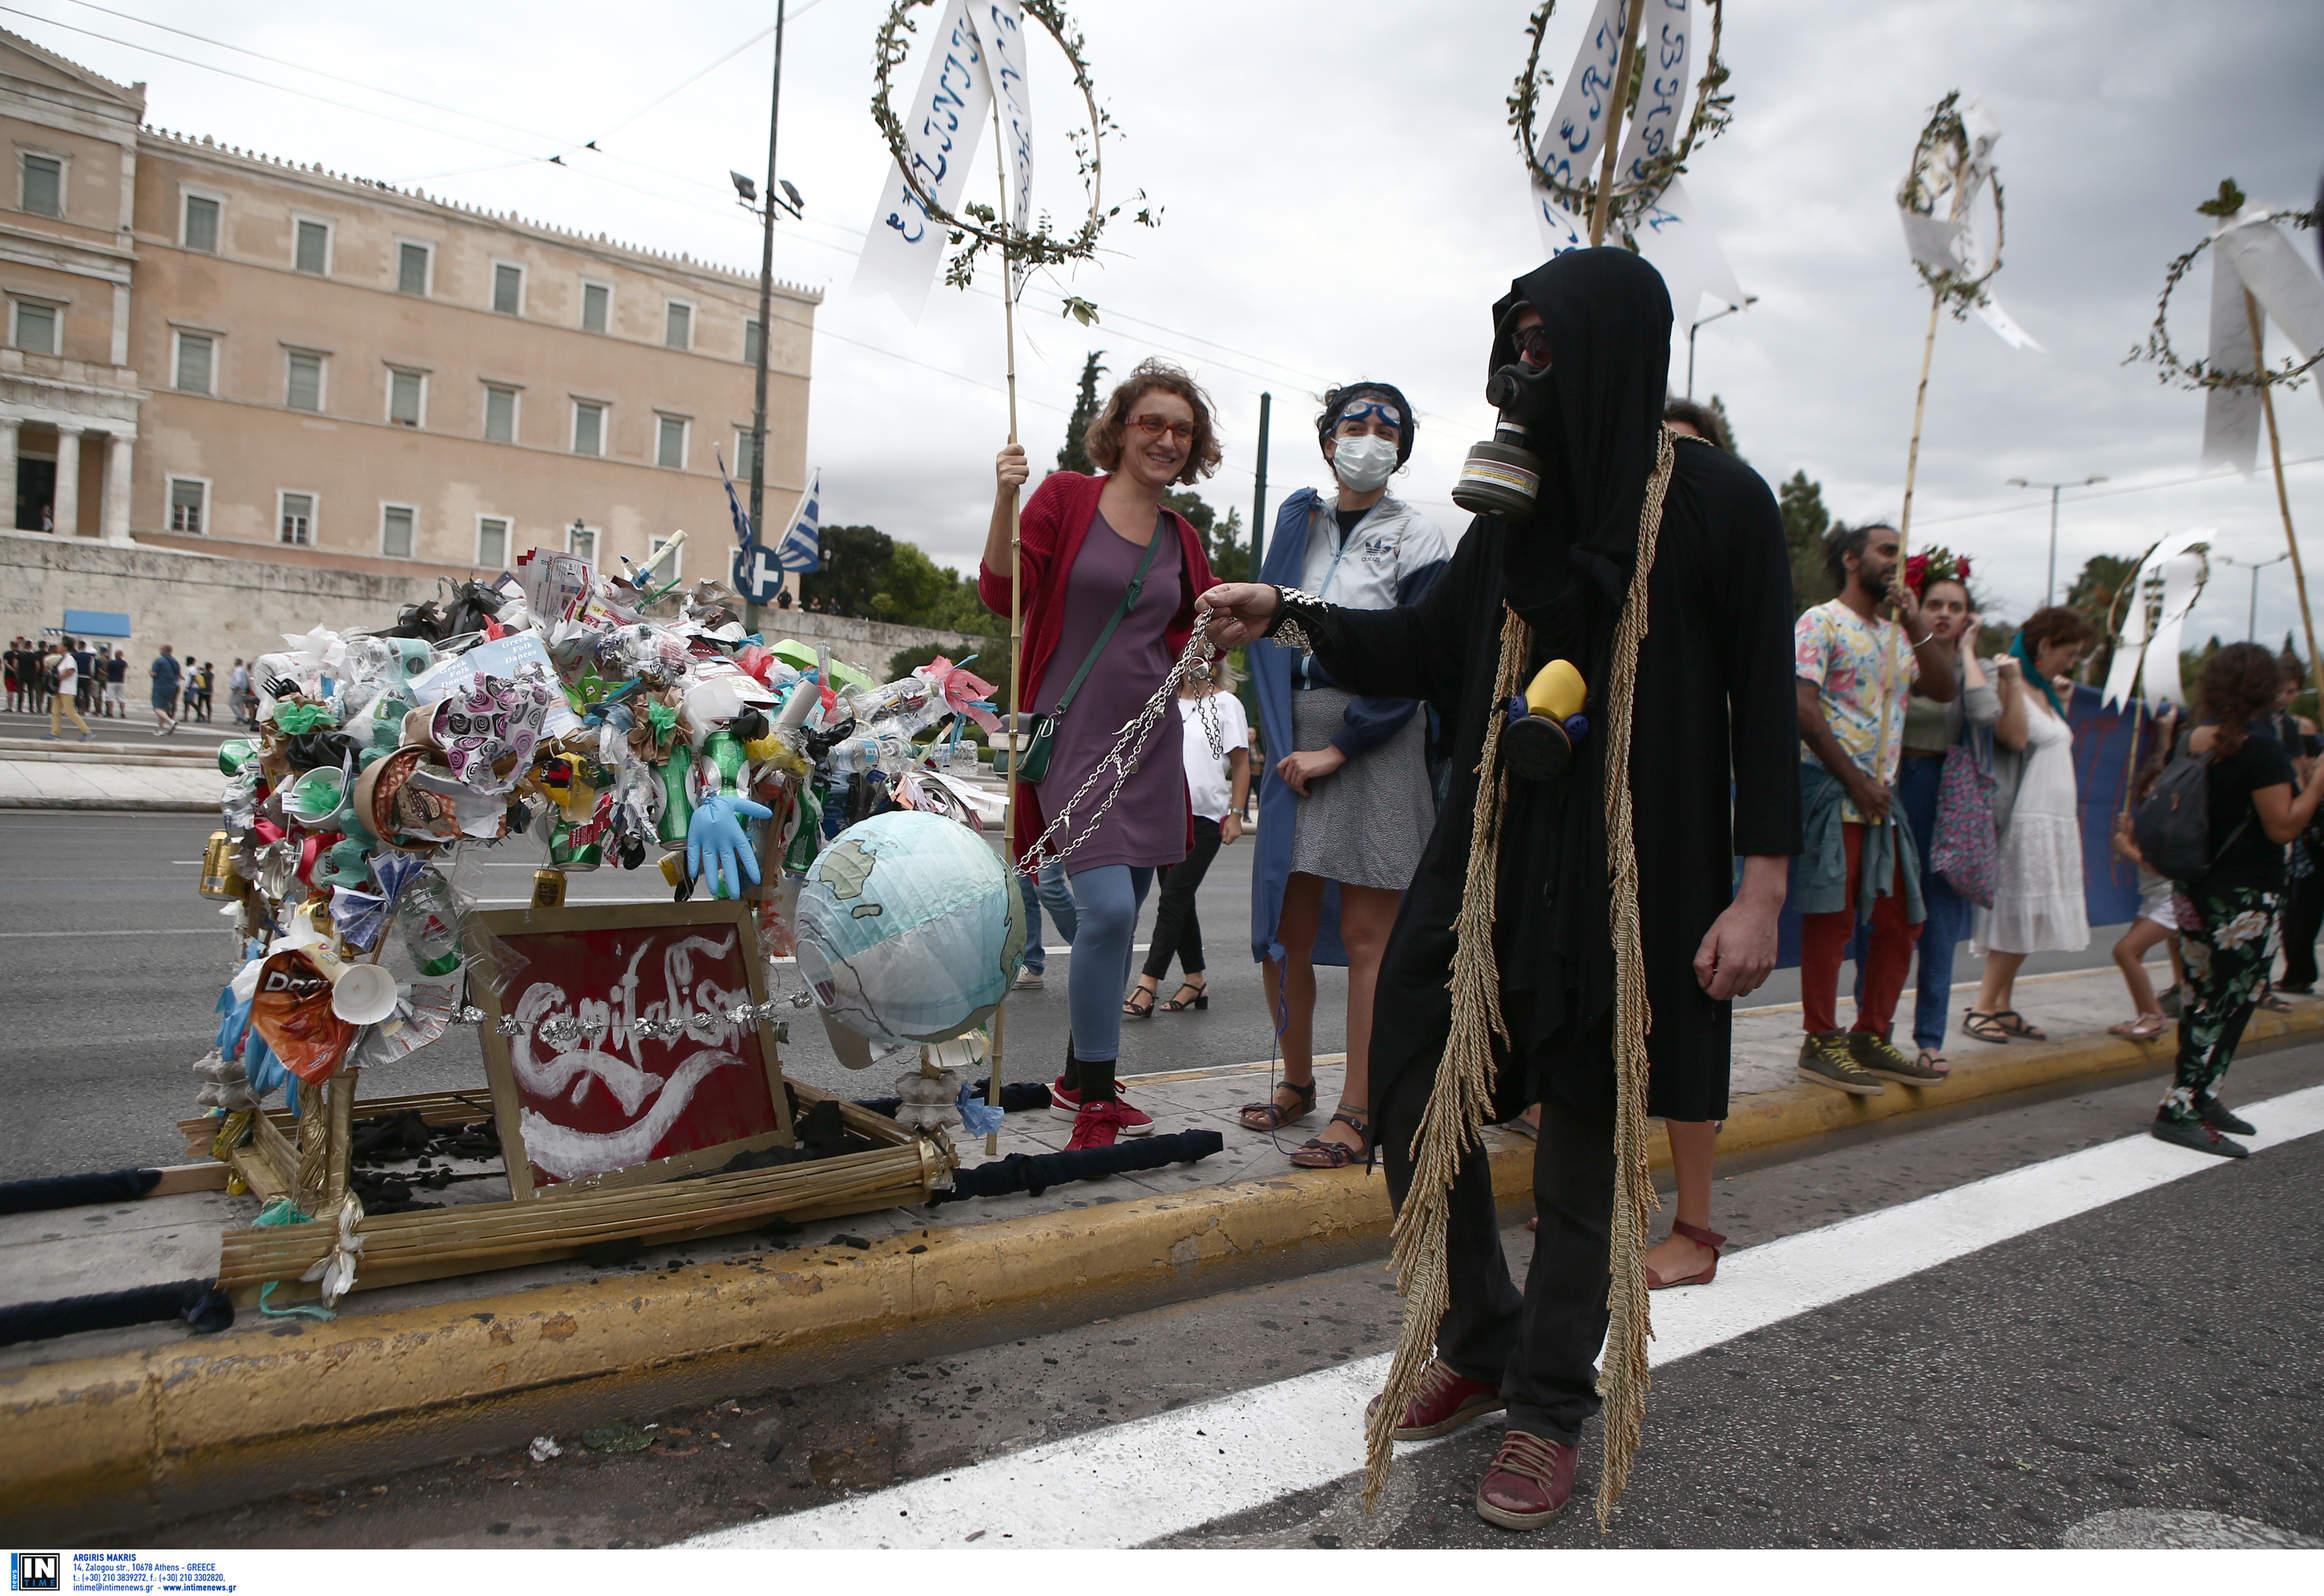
[{"x": 491, "y": 986}]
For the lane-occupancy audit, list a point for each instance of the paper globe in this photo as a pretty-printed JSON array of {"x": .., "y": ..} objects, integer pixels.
[{"x": 909, "y": 928}]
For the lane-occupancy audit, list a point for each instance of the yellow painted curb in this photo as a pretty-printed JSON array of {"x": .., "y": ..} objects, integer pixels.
[{"x": 146, "y": 1435}]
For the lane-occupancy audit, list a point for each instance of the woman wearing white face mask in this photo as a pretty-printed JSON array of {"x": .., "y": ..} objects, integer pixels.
[{"x": 1346, "y": 804}]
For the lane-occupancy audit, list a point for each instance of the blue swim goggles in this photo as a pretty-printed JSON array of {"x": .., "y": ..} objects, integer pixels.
[{"x": 1363, "y": 409}]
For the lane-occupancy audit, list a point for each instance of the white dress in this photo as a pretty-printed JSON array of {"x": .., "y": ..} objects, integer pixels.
[{"x": 2037, "y": 894}]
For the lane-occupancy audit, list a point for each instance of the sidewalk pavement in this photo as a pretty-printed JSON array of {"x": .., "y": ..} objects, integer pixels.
[
  {"x": 75, "y": 777},
  {"x": 116, "y": 1428}
]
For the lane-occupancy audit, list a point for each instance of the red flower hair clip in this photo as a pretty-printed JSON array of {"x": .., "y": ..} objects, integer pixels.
[{"x": 1937, "y": 565}]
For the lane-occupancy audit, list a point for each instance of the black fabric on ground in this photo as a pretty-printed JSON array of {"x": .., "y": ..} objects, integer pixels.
[
  {"x": 1036, "y": 1173},
  {"x": 76, "y": 1191},
  {"x": 204, "y": 1308}
]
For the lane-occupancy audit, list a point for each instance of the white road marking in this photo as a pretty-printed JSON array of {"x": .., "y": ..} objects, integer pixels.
[{"x": 1243, "y": 1451}]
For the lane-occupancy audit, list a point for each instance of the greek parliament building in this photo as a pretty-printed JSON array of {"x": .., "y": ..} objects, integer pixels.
[{"x": 239, "y": 392}]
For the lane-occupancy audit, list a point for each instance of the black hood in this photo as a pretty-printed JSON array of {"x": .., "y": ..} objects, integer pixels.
[{"x": 1595, "y": 421}]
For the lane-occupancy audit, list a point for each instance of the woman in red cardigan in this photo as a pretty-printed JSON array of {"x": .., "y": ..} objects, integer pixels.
[{"x": 1083, "y": 542}]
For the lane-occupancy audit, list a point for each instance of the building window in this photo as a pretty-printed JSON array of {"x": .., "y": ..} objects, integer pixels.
[
  {"x": 670, "y": 444},
  {"x": 395, "y": 530},
  {"x": 201, "y": 230},
  {"x": 189, "y": 498},
  {"x": 582, "y": 541},
  {"x": 303, "y": 389},
  {"x": 43, "y": 184},
  {"x": 411, "y": 269},
  {"x": 298, "y": 519},
  {"x": 195, "y": 351},
  {"x": 491, "y": 542},
  {"x": 36, "y": 327},
  {"x": 666, "y": 573},
  {"x": 406, "y": 392},
  {"x": 678, "y": 325},
  {"x": 500, "y": 415},
  {"x": 508, "y": 288},
  {"x": 752, "y": 335},
  {"x": 597, "y": 306},
  {"x": 313, "y": 251},
  {"x": 741, "y": 453},
  {"x": 588, "y": 429}
]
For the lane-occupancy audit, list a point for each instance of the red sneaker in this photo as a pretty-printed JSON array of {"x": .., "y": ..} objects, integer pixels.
[
  {"x": 1098, "y": 1123},
  {"x": 1529, "y": 1482},
  {"x": 1067, "y": 1105},
  {"x": 1447, "y": 1400}
]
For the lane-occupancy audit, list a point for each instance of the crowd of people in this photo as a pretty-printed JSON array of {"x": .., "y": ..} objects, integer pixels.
[
  {"x": 1904, "y": 787},
  {"x": 66, "y": 678}
]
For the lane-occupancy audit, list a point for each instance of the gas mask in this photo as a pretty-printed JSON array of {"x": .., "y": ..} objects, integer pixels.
[{"x": 1502, "y": 476}]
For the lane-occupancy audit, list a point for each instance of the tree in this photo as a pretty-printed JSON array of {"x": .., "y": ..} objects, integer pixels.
[
  {"x": 1229, "y": 550},
  {"x": 1805, "y": 522},
  {"x": 1725, "y": 425},
  {"x": 855, "y": 562},
  {"x": 1074, "y": 455},
  {"x": 2093, "y": 596}
]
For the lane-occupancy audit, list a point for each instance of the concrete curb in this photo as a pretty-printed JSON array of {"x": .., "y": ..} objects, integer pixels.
[
  {"x": 140, "y": 1437},
  {"x": 133, "y": 805}
]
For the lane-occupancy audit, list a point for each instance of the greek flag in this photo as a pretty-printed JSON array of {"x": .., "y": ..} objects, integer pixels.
[
  {"x": 801, "y": 549},
  {"x": 744, "y": 533}
]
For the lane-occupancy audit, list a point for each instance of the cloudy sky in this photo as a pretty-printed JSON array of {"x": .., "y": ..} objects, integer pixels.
[{"x": 1343, "y": 198}]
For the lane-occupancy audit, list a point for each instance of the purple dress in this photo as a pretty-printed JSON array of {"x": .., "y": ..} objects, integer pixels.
[{"x": 1146, "y": 824}]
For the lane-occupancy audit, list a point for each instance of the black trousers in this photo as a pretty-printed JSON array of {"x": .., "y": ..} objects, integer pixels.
[
  {"x": 1541, "y": 1345},
  {"x": 1176, "y": 931},
  {"x": 2303, "y": 916}
]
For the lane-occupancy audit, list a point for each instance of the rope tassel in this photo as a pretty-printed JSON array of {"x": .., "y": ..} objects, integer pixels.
[{"x": 1461, "y": 1099}]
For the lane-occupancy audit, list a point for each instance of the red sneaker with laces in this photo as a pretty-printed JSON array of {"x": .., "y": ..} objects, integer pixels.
[
  {"x": 1098, "y": 1123},
  {"x": 1529, "y": 1482},
  {"x": 1067, "y": 1105},
  {"x": 1446, "y": 1401}
]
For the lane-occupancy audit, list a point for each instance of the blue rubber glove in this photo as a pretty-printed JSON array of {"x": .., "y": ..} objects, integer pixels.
[{"x": 716, "y": 841}]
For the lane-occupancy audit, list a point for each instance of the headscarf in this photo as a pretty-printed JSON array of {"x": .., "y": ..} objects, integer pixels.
[
  {"x": 2032, "y": 672},
  {"x": 1596, "y": 422}
]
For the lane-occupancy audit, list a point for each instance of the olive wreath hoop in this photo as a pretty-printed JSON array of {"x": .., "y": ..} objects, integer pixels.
[
  {"x": 1713, "y": 110},
  {"x": 2200, "y": 374},
  {"x": 1961, "y": 291},
  {"x": 980, "y": 228}
]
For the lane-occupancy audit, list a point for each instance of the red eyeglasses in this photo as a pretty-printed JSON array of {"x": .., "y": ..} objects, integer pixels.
[{"x": 1155, "y": 426}]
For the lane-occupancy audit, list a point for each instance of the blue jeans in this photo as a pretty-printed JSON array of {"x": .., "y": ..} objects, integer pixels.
[
  {"x": 1053, "y": 894},
  {"x": 1918, "y": 781},
  {"x": 1107, "y": 899}
]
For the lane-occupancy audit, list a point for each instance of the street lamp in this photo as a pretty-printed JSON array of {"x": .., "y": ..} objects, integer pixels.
[
  {"x": 749, "y": 191},
  {"x": 1706, "y": 321},
  {"x": 2050, "y": 587},
  {"x": 2251, "y": 618}
]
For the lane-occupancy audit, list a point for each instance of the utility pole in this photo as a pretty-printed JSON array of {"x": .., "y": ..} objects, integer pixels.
[
  {"x": 1694, "y": 326},
  {"x": 2251, "y": 617},
  {"x": 765, "y": 329},
  {"x": 1258, "y": 503},
  {"x": 2050, "y": 585}
]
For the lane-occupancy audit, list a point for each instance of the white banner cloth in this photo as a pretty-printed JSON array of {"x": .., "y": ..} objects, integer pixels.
[
  {"x": 2122, "y": 676},
  {"x": 1666, "y": 35},
  {"x": 1683, "y": 248},
  {"x": 942, "y": 124},
  {"x": 2254, "y": 256},
  {"x": 1576, "y": 133},
  {"x": 2231, "y": 416}
]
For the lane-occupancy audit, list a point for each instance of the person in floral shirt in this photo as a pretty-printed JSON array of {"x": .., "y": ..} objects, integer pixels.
[{"x": 2226, "y": 917}]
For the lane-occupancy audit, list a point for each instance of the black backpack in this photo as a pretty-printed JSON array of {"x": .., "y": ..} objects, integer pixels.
[{"x": 2173, "y": 826}]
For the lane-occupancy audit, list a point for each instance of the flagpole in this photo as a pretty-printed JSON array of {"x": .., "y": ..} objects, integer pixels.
[
  {"x": 2283, "y": 501},
  {"x": 1016, "y": 602},
  {"x": 1615, "y": 108},
  {"x": 1920, "y": 405}
]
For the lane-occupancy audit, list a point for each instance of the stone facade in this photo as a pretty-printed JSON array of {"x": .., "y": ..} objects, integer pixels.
[
  {"x": 230, "y": 355},
  {"x": 215, "y": 608}
]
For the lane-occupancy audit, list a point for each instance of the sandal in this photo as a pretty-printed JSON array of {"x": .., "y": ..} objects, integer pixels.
[
  {"x": 1701, "y": 1237},
  {"x": 2143, "y": 1029},
  {"x": 2012, "y": 1022},
  {"x": 1930, "y": 1060},
  {"x": 1985, "y": 1027},
  {"x": 2270, "y": 1001},
  {"x": 1271, "y": 1116},
  {"x": 1318, "y": 1154},
  {"x": 1133, "y": 1010},
  {"x": 1179, "y": 1002}
]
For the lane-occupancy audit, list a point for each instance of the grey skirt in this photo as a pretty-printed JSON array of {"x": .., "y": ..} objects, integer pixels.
[{"x": 1366, "y": 823}]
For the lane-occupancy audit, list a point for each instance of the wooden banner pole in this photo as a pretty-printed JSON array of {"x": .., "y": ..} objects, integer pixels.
[
  {"x": 1016, "y": 605},
  {"x": 1920, "y": 407},
  {"x": 1615, "y": 108},
  {"x": 2283, "y": 501}
]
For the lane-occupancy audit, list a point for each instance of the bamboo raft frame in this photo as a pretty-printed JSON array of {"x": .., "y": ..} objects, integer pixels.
[{"x": 400, "y": 1249}]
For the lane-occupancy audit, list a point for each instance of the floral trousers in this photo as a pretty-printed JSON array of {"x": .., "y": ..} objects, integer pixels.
[{"x": 2227, "y": 936}]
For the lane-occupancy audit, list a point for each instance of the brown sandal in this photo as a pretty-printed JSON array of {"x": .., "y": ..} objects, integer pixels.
[
  {"x": 1985, "y": 1027},
  {"x": 1318, "y": 1154},
  {"x": 2012, "y": 1022},
  {"x": 1272, "y": 1116}
]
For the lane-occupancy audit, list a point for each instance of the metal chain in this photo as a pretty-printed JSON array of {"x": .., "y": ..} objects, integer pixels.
[{"x": 1192, "y": 661}]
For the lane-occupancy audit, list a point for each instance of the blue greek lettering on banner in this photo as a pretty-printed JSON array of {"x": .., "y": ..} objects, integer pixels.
[
  {"x": 1594, "y": 82},
  {"x": 1663, "y": 93}
]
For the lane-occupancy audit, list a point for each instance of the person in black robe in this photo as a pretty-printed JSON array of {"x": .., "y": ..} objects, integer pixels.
[{"x": 1714, "y": 774}]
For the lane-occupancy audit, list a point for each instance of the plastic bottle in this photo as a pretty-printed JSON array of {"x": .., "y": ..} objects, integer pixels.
[{"x": 430, "y": 924}]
